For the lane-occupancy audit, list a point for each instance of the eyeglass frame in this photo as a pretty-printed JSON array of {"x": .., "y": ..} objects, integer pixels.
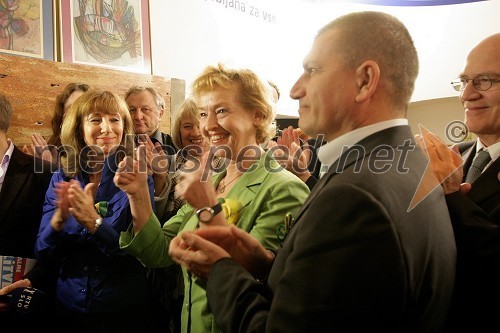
[{"x": 465, "y": 81}]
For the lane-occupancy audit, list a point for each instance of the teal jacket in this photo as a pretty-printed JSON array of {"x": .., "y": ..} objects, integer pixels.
[{"x": 266, "y": 194}]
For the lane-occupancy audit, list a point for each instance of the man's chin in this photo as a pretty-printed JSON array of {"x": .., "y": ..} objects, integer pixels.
[{"x": 141, "y": 130}]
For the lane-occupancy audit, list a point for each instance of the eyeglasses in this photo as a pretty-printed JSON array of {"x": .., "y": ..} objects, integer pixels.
[{"x": 481, "y": 83}]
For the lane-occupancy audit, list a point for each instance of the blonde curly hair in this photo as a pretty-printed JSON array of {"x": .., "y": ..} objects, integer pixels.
[{"x": 254, "y": 94}]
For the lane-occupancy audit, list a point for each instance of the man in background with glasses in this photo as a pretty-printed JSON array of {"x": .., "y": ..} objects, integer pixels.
[{"x": 473, "y": 191}]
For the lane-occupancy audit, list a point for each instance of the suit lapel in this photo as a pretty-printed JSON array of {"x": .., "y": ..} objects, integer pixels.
[
  {"x": 394, "y": 136},
  {"x": 248, "y": 185}
]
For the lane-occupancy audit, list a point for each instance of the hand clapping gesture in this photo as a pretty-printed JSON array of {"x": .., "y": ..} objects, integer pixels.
[
  {"x": 289, "y": 153},
  {"x": 82, "y": 204},
  {"x": 446, "y": 163},
  {"x": 157, "y": 162},
  {"x": 41, "y": 149},
  {"x": 199, "y": 250},
  {"x": 62, "y": 204},
  {"x": 132, "y": 178},
  {"x": 195, "y": 185}
]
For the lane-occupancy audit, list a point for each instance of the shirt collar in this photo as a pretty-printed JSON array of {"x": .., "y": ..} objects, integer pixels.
[
  {"x": 157, "y": 135},
  {"x": 493, "y": 150},
  {"x": 4, "y": 163},
  {"x": 8, "y": 154},
  {"x": 331, "y": 151}
]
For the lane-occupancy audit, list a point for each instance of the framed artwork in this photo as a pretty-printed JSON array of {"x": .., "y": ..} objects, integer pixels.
[
  {"x": 27, "y": 28},
  {"x": 106, "y": 33}
]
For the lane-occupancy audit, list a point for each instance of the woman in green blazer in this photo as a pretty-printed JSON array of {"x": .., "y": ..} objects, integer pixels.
[{"x": 253, "y": 191}]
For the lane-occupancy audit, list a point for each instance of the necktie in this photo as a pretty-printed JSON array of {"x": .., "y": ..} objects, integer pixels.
[{"x": 482, "y": 158}]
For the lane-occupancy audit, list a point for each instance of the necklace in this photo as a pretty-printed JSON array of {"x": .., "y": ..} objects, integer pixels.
[{"x": 224, "y": 184}]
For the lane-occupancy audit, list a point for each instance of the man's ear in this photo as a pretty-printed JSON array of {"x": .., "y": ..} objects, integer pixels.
[
  {"x": 367, "y": 80},
  {"x": 161, "y": 112}
]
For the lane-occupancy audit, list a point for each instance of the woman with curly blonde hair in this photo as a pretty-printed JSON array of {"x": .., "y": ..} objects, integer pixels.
[{"x": 252, "y": 192}]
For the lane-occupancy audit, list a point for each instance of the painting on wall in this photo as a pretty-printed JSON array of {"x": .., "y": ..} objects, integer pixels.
[
  {"x": 107, "y": 33},
  {"x": 26, "y": 28}
]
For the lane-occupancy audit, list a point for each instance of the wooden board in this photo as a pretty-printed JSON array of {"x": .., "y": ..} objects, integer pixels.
[{"x": 31, "y": 85}]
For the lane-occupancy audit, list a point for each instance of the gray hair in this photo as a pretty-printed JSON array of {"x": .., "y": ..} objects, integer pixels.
[{"x": 160, "y": 102}]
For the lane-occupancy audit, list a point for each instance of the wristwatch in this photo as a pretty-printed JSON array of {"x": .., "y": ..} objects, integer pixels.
[
  {"x": 206, "y": 214},
  {"x": 97, "y": 224}
]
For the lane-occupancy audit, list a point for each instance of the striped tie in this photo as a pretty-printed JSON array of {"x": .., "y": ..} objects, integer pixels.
[{"x": 480, "y": 161}]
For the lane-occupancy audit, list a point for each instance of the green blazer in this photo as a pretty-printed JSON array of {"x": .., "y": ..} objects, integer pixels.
[{"x": 266, "y": 193}]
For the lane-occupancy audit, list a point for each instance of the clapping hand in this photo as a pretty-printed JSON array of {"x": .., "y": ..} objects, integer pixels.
[
  {"x": 195, "y": 184},
  {"x": 82, "y": 204},
  {"x": 41, "y": 149},
  {"x": 289, "y": 153},
  {"x": 62, "y": 205},
  {"x": 157, "y": 162},
  {"x": 199, "y": 250},
  {"x": 132, "y": 174},
  {"x": 446, "y": 163}
]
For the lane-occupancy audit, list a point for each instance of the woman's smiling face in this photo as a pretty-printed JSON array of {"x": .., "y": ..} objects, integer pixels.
[
  {"x": 225, "y": 121},
  {"x": 103, "y": 130},
  {"x": 191, "y": 133}
]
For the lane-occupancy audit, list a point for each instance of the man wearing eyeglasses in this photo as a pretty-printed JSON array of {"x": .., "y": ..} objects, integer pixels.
[{"x": 473, "y": 191}]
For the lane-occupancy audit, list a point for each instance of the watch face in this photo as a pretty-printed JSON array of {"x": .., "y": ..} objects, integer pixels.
[{"x": 205, "y": 215}]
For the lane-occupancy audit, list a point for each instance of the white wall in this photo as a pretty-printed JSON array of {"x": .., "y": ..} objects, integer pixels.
[{"x": 187, "y": 35}]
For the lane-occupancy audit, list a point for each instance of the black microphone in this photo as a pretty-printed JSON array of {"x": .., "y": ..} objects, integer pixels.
[{"x": 28, "y": 300}]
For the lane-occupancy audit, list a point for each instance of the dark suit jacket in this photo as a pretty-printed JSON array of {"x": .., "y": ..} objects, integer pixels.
[
  {"x": 168, "y": 144},
  {"x": 356, "y": 259},
  {"x": 21, "y": 201},
  {"x": 476, "y": 222}
]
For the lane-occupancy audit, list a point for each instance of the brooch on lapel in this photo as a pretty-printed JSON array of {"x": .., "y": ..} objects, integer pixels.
[{"x": 284, "y": 228}]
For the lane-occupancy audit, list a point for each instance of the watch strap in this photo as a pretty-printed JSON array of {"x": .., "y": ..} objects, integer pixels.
[{"x": 217, "y": 208}]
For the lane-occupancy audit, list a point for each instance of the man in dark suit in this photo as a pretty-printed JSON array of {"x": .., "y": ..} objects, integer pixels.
[
  {"x": 474, "y": 201},
  {"x": 146, "y": 107},
  {"x": 23, "y": 182},
  {"x": 365, "y": 253}
]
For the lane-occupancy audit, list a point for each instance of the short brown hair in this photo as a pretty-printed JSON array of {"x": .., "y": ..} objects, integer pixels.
[
  {"x": 384, "y": 39},
  {"x": 72, "y": 136},
  {"x": 58, "y": 115}
]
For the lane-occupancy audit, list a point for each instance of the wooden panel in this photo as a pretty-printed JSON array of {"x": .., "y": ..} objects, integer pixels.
[{"x": 31, "y": 85}]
